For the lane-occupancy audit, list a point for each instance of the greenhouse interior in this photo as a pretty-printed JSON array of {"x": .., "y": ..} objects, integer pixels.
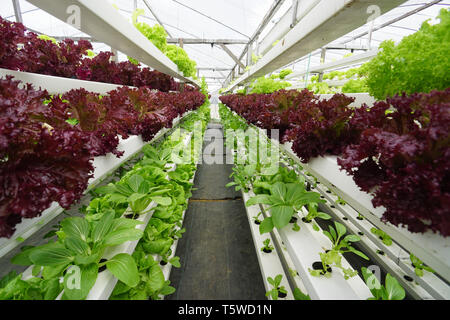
[{"x": 225, "y": 150}]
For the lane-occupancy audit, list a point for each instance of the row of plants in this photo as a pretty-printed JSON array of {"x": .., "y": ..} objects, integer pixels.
[
  {"x": 396, "y": 150},
  {"x": 158, "y": 36},
  {"x": 73, "y": 261},
  {"x": 23, "y": 50},
  {"x": 48, "y": 143},
  {"x": 284, "y": 194},
  {"x": 156, "y": 248},
  {"x": 418, "y": 63}
]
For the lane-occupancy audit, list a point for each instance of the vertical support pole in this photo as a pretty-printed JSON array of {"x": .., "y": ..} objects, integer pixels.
[
  {"x": 307, "y": 71},
  {"x": 249, "y": 54},
  {"x": 180, "y": 42},
  {"x": 322, "y": 61},
  {"x": 135, "y": 5},
  {"x": 17, "y": 11},
  {"x": 182, "y": 86},
  {"x": 115, "y": 58},
  {"x": 294, "y": 13}
]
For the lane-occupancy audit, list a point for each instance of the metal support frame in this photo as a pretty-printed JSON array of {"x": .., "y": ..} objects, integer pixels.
[
  {"x": 17, "y": 12},
  {"x": 115, "y": 58},
  {"x": 294, "y": 13},
  {"x": 156, "y": 17},
  {"x": 206, "y": 41},
  {"x": 213, "y": 69},
  {"x": 231, "y": 54},
  {"x": 265, "y": 21},
  {"x": 322, "y": 61}
]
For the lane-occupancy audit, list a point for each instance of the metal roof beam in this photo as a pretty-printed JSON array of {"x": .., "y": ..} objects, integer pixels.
[
  {"x": 265, "y": 21},
  {"x": 156, "y": 17},
  {"x": 231, "y": 54},
  {"x": 206, "y": 41}
]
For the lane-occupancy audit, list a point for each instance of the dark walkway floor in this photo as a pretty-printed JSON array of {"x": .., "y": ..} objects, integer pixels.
[{"x": 218, "y": 259}]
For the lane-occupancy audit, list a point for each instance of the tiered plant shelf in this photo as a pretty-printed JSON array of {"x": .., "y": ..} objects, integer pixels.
[
  {"x": 104, "y": 165},
  {"x": 56, "y": 85},
  {"x": 103, "y": 22},
  {"x": 432, "y": 249},
  {"x": 269, "y": 263}
]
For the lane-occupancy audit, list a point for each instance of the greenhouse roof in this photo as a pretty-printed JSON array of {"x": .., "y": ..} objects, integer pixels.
[{"x": 232, "y": 20}]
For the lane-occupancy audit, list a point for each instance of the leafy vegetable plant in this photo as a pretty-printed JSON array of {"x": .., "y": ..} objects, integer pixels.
[
  {"x": 419, "y": 266},
  {"x": 267, "y": 246},
  {"x": 391, "y": 291},
  {"x": 284, "y": 200},
  {"x": 277, "y": 291},
  {"x": 387, "y": 240},
  {"x": 341, "y": 243}
]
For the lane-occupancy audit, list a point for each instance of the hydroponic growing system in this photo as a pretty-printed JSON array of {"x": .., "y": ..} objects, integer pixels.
[{"x": 294, "y": 177}]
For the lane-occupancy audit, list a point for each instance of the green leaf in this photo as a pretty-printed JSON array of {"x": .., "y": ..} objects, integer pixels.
[
  {"x": 48, "y": 256},
  {"x": 167, "y": 290},
  {"x": 340, "y": 228},
  {"x": 124, "y": 189},
  {"x": 136, "y": 196},
  {"x": 144, "y": 187},
  {"x": 52, "y": 289},
  {"x": 156, "y": 278},
  {"x": 359, "y": 253},
  {"x": 279, "y": 190},
  {"x": 278, "y": 280},
  {"x": 352, "y": 238},
  {"x": 120, "y": 236},
  {"x": 316, "y": 227},
  {"x": 77, "y": 245},
  {"x": 299, "y": 295},
  {"x": 164, "y": 201},
  {"x": 108, "y": 189},
  {"x": 120, "y": 288},
  {"x": 76, "y": 227},
  {"x": 332, "y": 233},
  {"x": 274, "y": 294},
  {"x": 266, "y": 225},
  {"x": 372, "y": 282},
  {"x": 23, "y": 258},
  {"x": 134, "y": 182},
  {"x": 79, "y": 280},
  {"x": 159, "y": 246},
  {"x": 281, "y": 215},
  {"x": 259, "y": 199},
  {"x": 124, "y": 268},
  {"x": 102, "y": 228},
  {"x": 36, "y": 270},
  {"x": 323, "y": 215},
  {"x": 419, "y": 272},
  {"x": 328, "y": 235},
  {"x": 393, "y": 289},
  {"x": 175, "y": 261},
  {"x": 52, "y": 272}
]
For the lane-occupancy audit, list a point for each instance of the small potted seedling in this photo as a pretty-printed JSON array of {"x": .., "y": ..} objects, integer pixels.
[
  {"x": 340, "y": 201},
  {"x": 277, "y": 290},
  {"x": 419, "y": 266},
  {"x": 267, "y": 247},
  {"x": 383, "y": 236},
  {"x": 256, "y": 218},
  {"x": 341, "y": 243}
]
